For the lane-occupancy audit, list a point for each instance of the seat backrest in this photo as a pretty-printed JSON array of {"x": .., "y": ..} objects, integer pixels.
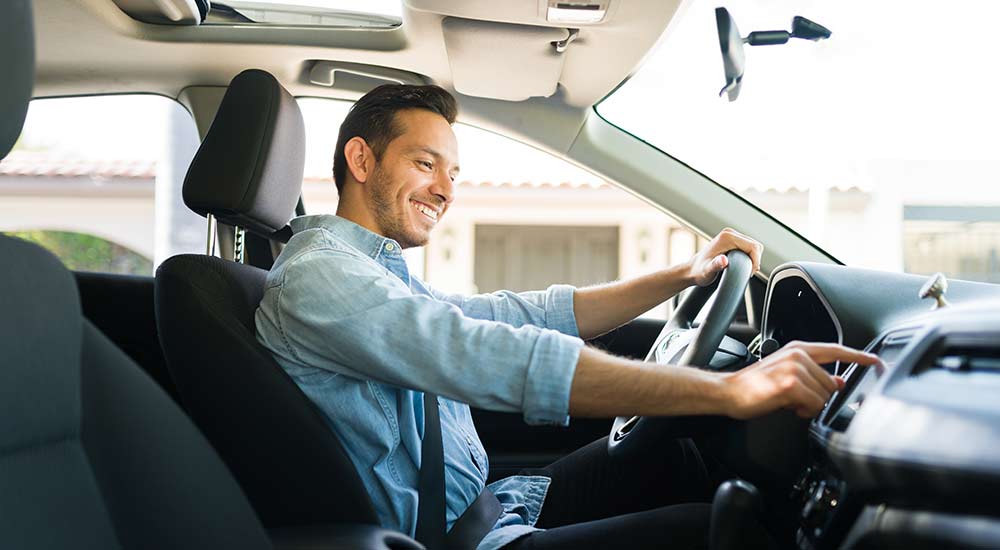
[
  {"x": 275, "y": 440},
  {"x": 93, "y": 454}
]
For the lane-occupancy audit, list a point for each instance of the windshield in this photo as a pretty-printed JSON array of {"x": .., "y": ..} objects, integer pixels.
[{"x": 878, "y": 144}]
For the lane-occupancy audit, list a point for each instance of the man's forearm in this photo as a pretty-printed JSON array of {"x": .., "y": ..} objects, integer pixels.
[
  {"x": 605, "y": 386},
  {"x": 599, "y": 309}
]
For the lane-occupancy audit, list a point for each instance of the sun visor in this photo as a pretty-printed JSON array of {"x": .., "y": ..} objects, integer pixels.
[{"x": 503, "y": 60}]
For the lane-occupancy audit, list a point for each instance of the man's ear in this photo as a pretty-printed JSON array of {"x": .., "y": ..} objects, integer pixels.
[{"x": 360, "y": 158}]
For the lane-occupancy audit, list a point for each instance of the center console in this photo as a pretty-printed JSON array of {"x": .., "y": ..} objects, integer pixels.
[{"x": 917, "y": 435}]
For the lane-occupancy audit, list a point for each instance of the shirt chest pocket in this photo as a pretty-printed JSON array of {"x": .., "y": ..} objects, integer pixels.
[{"x": 478, "y": 454}]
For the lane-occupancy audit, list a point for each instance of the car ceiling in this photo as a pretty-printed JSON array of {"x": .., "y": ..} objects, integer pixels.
[{"x": 92, "y": 47}]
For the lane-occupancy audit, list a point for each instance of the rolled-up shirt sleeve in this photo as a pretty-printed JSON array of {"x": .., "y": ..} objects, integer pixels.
[
  {"x": 551, "y": 308},
  {"x": 353, "y": 318}
]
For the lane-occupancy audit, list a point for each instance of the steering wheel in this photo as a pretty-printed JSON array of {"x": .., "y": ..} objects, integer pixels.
[{"x": 681, "y": 343}]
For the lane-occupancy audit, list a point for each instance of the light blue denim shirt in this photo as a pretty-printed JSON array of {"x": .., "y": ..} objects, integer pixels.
[{"x": 363, "y": 338}]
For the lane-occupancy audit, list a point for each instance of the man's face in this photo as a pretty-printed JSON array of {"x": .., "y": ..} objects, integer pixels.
[{"x": 413, "y": 182}]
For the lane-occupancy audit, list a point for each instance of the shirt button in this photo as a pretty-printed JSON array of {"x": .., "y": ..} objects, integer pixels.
[{"x": 389, "y": 247}]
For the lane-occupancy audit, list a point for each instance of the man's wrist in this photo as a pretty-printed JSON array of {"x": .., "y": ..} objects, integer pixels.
[{"x": 720, "y": 394}]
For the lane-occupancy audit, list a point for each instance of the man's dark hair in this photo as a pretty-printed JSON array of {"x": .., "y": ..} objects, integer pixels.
[{"x": 373, "y": 118}]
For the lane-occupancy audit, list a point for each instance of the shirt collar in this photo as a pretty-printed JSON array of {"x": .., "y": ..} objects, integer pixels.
[{"x": 372, "y": 244}]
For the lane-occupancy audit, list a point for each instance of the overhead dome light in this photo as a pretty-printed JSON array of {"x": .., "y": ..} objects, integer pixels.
[{"x": 576, "y": 13}]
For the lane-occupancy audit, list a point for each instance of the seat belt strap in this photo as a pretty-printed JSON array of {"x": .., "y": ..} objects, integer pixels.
[
  {"x": 477, "y": 520},
  {"x": 430, "y": 483}
]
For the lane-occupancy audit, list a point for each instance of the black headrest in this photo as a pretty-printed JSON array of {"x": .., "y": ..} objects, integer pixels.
[
  {"x": 248, "y": 170},
  {"x": 17, "y": 65}
]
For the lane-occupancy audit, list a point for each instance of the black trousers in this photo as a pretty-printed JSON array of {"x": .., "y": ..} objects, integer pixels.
[{"x": 658, "y": 500}]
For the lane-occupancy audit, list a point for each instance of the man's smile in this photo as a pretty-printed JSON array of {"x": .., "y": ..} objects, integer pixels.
[{"x": 425, "y": 209}]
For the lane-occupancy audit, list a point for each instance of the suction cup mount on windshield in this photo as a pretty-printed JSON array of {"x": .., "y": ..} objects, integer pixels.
[{"x": 732, "y": 44}]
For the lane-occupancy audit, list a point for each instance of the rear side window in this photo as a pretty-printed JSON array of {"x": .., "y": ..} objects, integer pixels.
[{"x": 97, "y": 181}]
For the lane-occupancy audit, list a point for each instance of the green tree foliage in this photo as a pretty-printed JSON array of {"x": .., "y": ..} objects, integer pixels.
[{"x": 82, "y": 252}]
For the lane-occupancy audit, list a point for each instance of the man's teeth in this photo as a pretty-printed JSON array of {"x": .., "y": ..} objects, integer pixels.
[{"x": 428, "y": 211}]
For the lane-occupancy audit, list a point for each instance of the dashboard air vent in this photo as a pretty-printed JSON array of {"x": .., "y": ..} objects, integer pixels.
[
  {"x": 963, "y": 357},
  {"x": 957, "y": 353},
  {"x": 893, "y": 344}
]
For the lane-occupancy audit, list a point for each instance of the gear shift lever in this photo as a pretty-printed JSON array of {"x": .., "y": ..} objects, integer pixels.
[{"x": 735, "y": 518}]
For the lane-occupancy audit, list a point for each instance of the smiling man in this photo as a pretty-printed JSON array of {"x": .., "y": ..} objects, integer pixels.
[{"x": 364, "y": 339}]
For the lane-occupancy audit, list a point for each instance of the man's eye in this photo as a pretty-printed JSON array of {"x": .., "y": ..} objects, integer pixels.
[{"x": 426, "y": 164}]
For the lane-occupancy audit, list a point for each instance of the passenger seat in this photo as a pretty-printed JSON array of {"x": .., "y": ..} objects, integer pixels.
[{"x": 93, "y": 454}]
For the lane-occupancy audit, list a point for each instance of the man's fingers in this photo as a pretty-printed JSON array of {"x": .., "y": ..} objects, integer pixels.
[
  {"x": 719, "y": 263},
  {"x": 752, "y": 248},
  {"x": 819, "y": 374},
  {"x": 755, "y": 256},
  {"x": 816, "y": 383},
  {"x": 828, "y": 353},
  {"x": 805, "y": 402}
]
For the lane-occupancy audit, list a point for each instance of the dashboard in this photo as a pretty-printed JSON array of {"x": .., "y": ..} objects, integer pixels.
[{"x": 908, "y": 453}]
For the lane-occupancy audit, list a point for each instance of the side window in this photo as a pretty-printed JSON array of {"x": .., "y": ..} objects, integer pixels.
[
  {"x": 522, "y": 219},
  {"x": 97, "y": 180}
]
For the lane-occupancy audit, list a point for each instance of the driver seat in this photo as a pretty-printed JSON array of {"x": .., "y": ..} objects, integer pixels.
[{"x": 248, "y": 173}]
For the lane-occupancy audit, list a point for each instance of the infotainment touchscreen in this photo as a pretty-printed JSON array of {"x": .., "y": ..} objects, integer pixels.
[{"x": 859, "y": 380}]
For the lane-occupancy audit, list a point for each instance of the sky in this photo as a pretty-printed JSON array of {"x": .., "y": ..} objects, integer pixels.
[{"x": 897, "y": 81}]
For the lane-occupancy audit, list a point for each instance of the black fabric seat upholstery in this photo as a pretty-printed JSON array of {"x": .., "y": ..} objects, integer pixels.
[
  {"x": 93, "y": 454},
  {"x": 275, "y": 440},
  {"x": 18, "y": 69}
]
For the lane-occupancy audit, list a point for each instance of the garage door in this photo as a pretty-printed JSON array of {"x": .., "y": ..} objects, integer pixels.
[{"x": 522, "y": 257}]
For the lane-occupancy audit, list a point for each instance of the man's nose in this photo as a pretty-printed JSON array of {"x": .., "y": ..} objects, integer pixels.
[{"x": 443, "y": 188}]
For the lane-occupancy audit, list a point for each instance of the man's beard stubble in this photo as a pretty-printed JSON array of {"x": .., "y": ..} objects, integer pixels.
[{"x": 392, "y": 223}]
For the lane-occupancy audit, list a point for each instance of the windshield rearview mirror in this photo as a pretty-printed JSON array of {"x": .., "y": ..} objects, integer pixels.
[
  {"x": 732, "y": 52},
  {"x": 732, "y": 43}
]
